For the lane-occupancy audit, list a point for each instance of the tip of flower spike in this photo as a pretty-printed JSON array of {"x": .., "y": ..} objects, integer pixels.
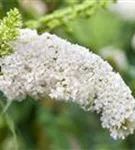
[{"x": 9, "y": 30}]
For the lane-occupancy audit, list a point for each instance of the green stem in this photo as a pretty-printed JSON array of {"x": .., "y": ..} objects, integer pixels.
[
  {"x": 10, "y": 122},
  {"x": 12, "y": 129},
  {"x": 6, "y": 107},
  {"x": 64, "y": 16}
]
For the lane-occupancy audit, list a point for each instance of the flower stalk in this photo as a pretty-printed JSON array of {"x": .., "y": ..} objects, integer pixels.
[{"x": 64, "y": 16}]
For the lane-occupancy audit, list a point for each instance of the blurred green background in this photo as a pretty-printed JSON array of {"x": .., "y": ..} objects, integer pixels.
[{"x": 53, "y": 125}]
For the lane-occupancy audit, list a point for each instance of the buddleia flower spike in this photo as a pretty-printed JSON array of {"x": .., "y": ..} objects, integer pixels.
[
  {"x": 46, "y": 65},
  {"x": 9, "y": 31}
]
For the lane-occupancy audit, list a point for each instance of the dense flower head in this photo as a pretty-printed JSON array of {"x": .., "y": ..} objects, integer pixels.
[{"x": 46, "y": 65}]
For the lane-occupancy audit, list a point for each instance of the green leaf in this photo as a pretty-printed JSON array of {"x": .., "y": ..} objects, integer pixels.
[{"x": 7, "y": 5}]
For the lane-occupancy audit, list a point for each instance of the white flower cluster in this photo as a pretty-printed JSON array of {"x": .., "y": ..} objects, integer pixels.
[
  {"x": 125, "y": 9},
  {"x": 45, "y": 65}
]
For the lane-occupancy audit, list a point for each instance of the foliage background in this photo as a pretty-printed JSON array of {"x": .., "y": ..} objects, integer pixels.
[{"x": 49, "y": 124}]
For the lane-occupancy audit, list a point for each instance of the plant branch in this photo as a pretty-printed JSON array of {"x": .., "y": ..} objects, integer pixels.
[{"x": 64, "y": 16}]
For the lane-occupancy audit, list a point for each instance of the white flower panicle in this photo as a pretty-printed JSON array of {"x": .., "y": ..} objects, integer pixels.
[
  {"x": 45, "y": 65},
  {"x": 125, "y": 9}
]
